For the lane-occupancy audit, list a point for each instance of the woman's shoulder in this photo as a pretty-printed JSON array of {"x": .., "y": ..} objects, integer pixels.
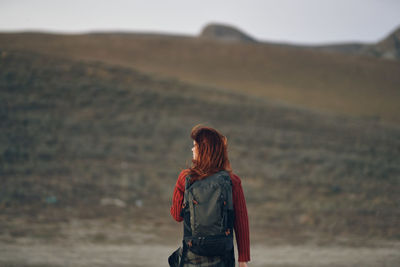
[
  {"x": 235, "y": 179},
  {"x": 184, "y": 173},
  {"x": 182, "y": 178}
]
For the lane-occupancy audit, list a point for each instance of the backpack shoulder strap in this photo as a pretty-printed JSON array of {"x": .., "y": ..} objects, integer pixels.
[
  {"x": 187, "y": 182},
  {"x": 187, "y": 231}
]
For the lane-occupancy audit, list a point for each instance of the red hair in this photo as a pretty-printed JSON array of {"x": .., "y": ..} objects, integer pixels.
[{"x": 212, "y": 153}]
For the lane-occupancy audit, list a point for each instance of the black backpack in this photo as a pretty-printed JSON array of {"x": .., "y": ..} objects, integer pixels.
[{"x": 208, "y": 216}]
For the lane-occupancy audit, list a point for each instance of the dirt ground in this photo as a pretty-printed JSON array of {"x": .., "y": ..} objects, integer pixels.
[
  {"x": 156, "y": 255},
  {"x": 104, "y": 243}
]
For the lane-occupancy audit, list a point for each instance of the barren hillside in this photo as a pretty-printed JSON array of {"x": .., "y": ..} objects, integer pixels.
[{"x": 351, "y": 85}]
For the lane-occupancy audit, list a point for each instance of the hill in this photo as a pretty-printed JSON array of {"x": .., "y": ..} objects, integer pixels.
[
  {"x": 358, "y": 86},
  {"x": 225, "y": 33},
  {"x": 75, "y": 133},
  {"x": 387, "y": 48}
]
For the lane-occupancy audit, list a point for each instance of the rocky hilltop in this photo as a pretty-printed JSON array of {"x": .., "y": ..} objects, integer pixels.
[
  {"x": 225, "y": 33},
  {"x": 389, "y": 47}
]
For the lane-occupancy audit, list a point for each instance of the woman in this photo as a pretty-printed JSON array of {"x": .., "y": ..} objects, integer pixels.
[{"x": 209, "y": 157}]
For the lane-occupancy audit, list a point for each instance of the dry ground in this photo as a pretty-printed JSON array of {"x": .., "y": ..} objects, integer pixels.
[
  {"x": 104, "y": 243},
  {"x": 32, "y": 254},
  {"x": 90, "y": 254}
]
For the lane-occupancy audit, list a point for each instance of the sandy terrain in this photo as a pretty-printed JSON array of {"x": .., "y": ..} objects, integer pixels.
[
  {"x": 90, "y": 254},
  {"x": 105, "y": 243}
]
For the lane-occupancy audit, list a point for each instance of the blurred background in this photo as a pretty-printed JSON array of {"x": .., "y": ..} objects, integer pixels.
[{"x": 98, "y": 98}]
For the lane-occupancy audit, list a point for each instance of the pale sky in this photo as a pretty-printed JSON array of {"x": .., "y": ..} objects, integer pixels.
[{"x": 293, "y": 21}]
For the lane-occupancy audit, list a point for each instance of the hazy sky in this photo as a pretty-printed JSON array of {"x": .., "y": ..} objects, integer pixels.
[{"x": 296, "y": 21}]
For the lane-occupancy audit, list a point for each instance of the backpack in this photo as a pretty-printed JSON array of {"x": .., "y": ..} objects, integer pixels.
[{"x": 208, "y": 216}]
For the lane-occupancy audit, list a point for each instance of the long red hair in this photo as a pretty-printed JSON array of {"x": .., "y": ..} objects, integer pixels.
[{"x": 212, "y": 153}]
